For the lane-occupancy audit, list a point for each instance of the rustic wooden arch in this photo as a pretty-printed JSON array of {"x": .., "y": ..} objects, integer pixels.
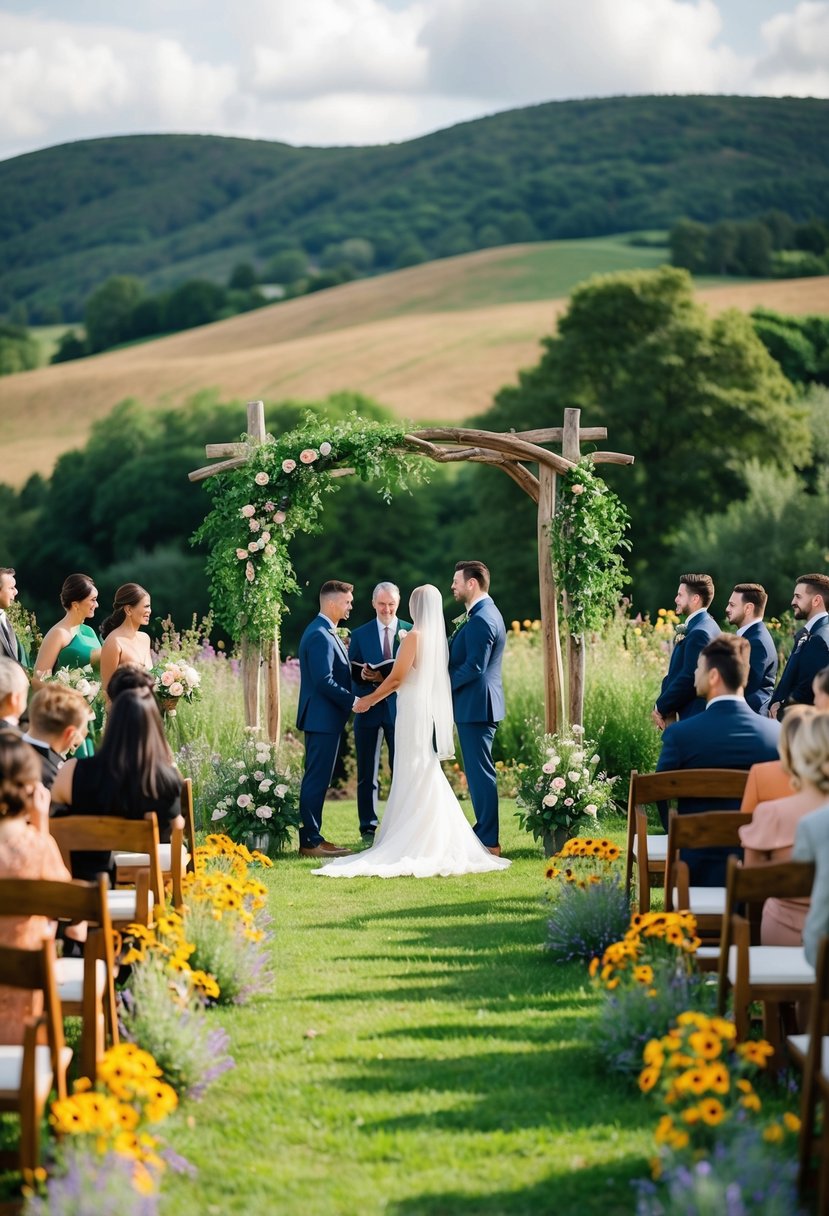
[{"x": 511, "y": 452}]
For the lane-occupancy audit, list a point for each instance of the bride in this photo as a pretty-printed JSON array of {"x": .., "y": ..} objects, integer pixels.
[{"x": 424, "y": 832}]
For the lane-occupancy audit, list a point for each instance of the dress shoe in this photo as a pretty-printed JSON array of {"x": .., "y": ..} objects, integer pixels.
[
  {"x": 324, "y": 849},
  {"x": 367, "y": 837},
  {"x": 495, "y": 849}
]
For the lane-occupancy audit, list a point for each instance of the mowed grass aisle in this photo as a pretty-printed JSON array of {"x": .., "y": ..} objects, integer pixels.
[{"x": 419, "y": 1054}]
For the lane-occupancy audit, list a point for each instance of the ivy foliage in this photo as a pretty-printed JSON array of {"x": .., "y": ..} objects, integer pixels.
[
  {"x": 587, "y": 535},
  {"x": 279, "y": 493}
]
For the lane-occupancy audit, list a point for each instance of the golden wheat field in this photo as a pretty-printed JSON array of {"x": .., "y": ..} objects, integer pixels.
[{"x": 422, "y": 341}]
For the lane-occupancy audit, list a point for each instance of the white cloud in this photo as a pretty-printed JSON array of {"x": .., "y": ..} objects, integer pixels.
[{"x": 797, "y": 59}]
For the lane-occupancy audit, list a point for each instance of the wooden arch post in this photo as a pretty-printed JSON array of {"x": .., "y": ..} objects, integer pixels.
[{"x": 511, "y": 452}]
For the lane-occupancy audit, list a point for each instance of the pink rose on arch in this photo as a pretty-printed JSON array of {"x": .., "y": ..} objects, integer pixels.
[
  {"x": 254, "y": 525},
  {"x": 270, "y": 550},
  {"x": 577, "y": 488},
  {"x": 241, "y": 554},
  {"x": 261, "y": 479},
  {"x": 250, "y": 573},
  {"x": 248, "y": 511},
  {"x": 288, "y": 466},
  {"x": 558, "y": 783},
  {"x": 280, "y": 517},
  {"x": 308, "y": 455},
  {"x": 325, "y": 449},
  {"x": 265, "y": 537},
  {"x": 253, "y": 546}
]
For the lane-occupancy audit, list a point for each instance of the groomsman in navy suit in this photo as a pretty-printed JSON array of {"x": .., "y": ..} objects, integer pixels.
[
  {"x": 745, "y": 609},
  {"x": 373, "y": 643},
  {"x": 325, "y": 701},
  {"x": 476, "y": 651},
  {"x": 678, "y": 698},
  {"x": 811, "y": 644},
  {"x": 10, "y": 644},
  {"x": 728, "y": 734}
]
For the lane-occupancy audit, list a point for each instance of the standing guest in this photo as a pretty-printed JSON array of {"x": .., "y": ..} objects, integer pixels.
[
  {"x": 123, "y": 641},
  {"x": 71, "y": 642},
  {"x": 325, "y": 701},
  {"x": 58, "y": 722},
  {"x": 678, "y": 698},
  {"x": 376, "y": 642},
  {"x": 745, "y": 609},
  {"x": 14, "y": 692},
  {"x": 133, "y": 773},
  {"x": 811, "y": 644},
  {"x": 10, "y": 645},
  {"x": 726, "y": 735},
  {"x": 770, "y": 835},
  {"x": 820, "y": 690},
  {"x": 26, "y": 851}
]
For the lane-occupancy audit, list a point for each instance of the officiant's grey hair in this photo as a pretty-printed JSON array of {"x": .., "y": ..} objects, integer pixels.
[{"x": 390, "y": 587}]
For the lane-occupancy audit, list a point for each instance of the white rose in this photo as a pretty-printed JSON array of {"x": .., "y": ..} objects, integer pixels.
[
  {"x": 244, "y": 800},
  {"x": 577, "y": 730},
  {"x": 591, "y": 810},
  {"x": 240, "y": 764},
  {"x": 280, "y": 791},
  {"x": 574, "y": 775},
  {"x": 82, "y": 687},
  {"x": 242, "y": 778},
  {"x": 549, "y": 767},
  {"x": 219, "y": 813},
  {"x": 265, "y": 785},
  {"x": 549, "y": 800},
  {"x": 264, "y": 812},
  {"x": 577, "y": 757},
  {"x": 595, "y": 759},
  {"x": 325, "y": 449},
  {"x": 258, "y": 775}
]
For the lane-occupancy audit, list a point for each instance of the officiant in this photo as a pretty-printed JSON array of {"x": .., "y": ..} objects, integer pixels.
[{"x": 372, "y": 650}]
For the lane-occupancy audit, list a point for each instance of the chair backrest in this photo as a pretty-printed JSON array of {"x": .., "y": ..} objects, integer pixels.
[
  {"x": 686, "y": 783},
  {"x": 703, "y": 830},
  {"x": 775, "y": 880},
  {"x": 78, "y": 833},
  {"x": 189, "y": 816},
  {"x": 34, "y": 970},
  {"x": 57, "y": 900}
]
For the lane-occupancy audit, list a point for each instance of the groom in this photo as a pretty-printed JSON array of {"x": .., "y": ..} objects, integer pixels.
[
  {"x": 476, "y": 649},
  {"x": 325, "y": 701}
]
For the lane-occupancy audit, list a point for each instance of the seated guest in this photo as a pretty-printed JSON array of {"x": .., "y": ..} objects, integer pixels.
[
  {"x": 811, "y": 843},
  {"x": 129, "y": 676},
  {"x": 132, "y": 774},
  {"x": 14, "y": 692},
  {"x": 58, "y": 723},
  {"x": 773, "y": 778},
  {"x": 726, "y": 735},
  {"x": 26, "y": 851},
  {"x": 820, "y": 689},
  {"x": 804, "y": 740}
]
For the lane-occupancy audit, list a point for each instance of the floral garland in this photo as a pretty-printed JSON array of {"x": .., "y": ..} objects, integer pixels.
[
  {"x": 278, "y": 492},
  {"x": 588, "y": 531}
]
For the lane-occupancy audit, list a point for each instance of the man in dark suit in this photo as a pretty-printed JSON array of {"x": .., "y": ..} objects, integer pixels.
[
  {"x": 10, "y": 645},
  {"x": 375, "y": 642},
  {"x": 728, "y": 734},
  {"x": 476, "y": 651},
  {"x": 325, "y": 701},
  {"x": 58, "y": 722},
  {"x": 744, "y": 610},
  {"x": 678, "y": 698},
  {"x": 14, "y": 692},
  {"x": 811, "y": 644}
]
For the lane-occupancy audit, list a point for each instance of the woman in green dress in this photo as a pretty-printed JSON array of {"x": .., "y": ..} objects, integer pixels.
[{"x": 71, "y": 642}]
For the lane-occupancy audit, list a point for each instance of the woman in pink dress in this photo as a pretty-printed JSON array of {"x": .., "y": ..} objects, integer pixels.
[
  {"x": 26, "y": 851},
  {"x": 804, "y": 753}
]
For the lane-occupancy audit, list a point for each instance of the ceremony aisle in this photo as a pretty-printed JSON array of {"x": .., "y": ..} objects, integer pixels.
[{"x": 419, "y": 1054}]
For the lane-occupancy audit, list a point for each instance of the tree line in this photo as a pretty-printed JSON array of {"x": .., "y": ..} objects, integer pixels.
[
  {"x": 774, "y": 244},
  {"x": 730, "y": 475}
]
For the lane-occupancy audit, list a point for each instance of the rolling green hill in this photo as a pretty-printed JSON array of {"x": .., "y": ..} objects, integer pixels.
[{"x": 167, "y": 208}]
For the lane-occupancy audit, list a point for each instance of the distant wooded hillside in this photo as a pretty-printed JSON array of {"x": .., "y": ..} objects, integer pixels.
[{"x": 168, "y": 208}]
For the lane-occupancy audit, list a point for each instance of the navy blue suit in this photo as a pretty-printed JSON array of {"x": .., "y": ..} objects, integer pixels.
[
  {"x": 810, "y": 655},
  {"x": 678, "y": 695},
  {"x": 763, "y": 671},
  {"x": 376, "y": 724},
  {"x": 325, "y": 701},
  {"x": 475, "y": 655},
  {"x": 728, "y": 734}
]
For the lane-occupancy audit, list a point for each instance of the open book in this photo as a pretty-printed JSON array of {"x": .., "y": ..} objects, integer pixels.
[{"x": 384, "y": 668}]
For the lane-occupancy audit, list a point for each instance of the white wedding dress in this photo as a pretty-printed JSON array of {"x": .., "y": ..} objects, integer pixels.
[{"x": 423, "y": 833}]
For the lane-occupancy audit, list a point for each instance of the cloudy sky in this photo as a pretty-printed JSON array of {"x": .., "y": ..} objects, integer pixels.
[{"x": 374, "y": 71}]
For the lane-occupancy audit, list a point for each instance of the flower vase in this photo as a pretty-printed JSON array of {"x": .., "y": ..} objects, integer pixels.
[
  {"x": 167, "y": 705},
  {"x": 257, "y": 841},
  {"x": 554, "y": 841}
]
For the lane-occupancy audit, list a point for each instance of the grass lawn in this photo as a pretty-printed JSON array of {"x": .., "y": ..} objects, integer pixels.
[{"x": 419, "y": 1054}]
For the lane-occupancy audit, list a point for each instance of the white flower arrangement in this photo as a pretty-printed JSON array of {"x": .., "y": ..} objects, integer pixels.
[
  {"x": 563, "y": 788},
  {"x": 79, "y": 678},
  {"x": 250, "y": 794}
]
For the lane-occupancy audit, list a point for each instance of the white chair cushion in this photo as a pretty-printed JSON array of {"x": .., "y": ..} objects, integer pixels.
[
  {"x": 657, "y": 848},
  {"x": 704, "y": 901},
  {"x": 143, "y": 859},
  {"x": 69, "y": 974},
  {"x": 11, "y": 1064},
  {"x": 800, "y": 1042},
  {"x": 122, "y": 903},
  {"x": 774, "y": 965},
  {"x": 705, "y": 952}
]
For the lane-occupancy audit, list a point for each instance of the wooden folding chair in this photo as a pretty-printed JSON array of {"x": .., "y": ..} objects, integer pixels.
[
  {"x": 108, "y": 834},
  {"x": 810, "y": 1052},
  {"x": 774, "y": 975},
  {"x": 30, "y": 1072},
  {"x": 86, "y": 986},
  {"x": 173, "y": 857},
  {"x": 648, "y": 852}
]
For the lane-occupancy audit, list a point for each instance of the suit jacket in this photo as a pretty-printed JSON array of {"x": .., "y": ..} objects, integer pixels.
[
  {"x": 475, "y": 655},
  {"x": 50, "y": 761},
  {"x": 19, "y": 653},
  {"x": 763, "y": 671},
  {"x": 678, "y": 695},
  {"x": 809, "y": 656},
  {"x": 811, "y": 843},
  {"x": 726, "y": 735},
  {"x": 365, "y": 648},
  {"x": 325, "y": 696}
]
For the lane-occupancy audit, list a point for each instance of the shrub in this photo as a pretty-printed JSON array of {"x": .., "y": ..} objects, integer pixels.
[
  {"x": 89, "y": 1184},
  {"x": 585, "y": 920},
  {"x": 629, "y": 1018}
]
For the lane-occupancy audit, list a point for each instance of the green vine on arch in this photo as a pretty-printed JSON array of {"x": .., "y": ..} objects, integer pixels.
[
  {"x": 278, "y": 492},
  {"x": 587, "y": 535}
]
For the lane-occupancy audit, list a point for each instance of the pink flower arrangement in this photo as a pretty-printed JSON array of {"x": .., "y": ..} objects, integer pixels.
[
  {"x": 288, "y": 466},
  {"x": 308, "y": 455},
  {"x": 261, "y": 479}
]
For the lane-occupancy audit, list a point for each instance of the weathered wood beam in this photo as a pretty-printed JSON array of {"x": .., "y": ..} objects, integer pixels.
[
  {"x": 519, "y": 449},
  {"x": 226, "y": 449},
  {"x": 610, "y": 457},
  {"x": 555, "y": 434},
  {"x": 211, "y": 470}
]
